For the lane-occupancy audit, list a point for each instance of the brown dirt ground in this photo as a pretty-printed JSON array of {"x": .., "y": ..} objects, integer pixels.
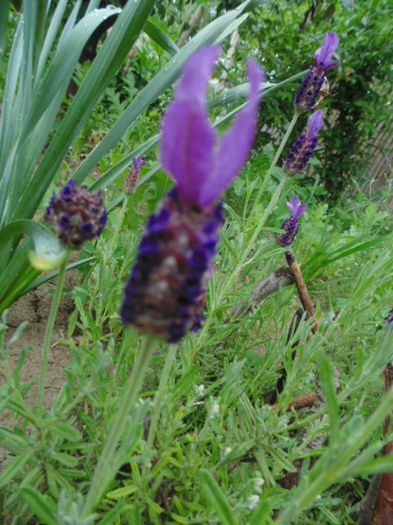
[{"x": 34, "y": 307}]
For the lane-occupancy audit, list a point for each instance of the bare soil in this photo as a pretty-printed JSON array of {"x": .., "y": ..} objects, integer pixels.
[{"x": 34, "y": 308}]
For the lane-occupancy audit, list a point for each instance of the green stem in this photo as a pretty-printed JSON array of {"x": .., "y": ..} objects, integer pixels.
[
  {"x": 274, "y": 163},
  {"x": 48, "y": 334},
  {"x": 116, "y": 233},
  {"x": 256, "y": 231},
  {"x": 162, "y": 388},
  {"x": 106, "y": 466}
]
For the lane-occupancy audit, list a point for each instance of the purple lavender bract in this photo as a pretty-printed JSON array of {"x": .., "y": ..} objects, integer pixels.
[
  {"x": 166, "y": 292},
  {"x": 76, "y": 215},
  {"x": 305, "y": 145},
  {"x": 134, "y": 174},
  {"x": 310, "y": 87},
  {"x": 291, "y": 226}
]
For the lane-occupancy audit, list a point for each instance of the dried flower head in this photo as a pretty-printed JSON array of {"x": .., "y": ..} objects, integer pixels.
[
  {"x": 166, "y": 292},
  {"x": 310, "y": 87},
  {"x": 133, "y": 175},
  {"x": 291, "y": 226},
  {"x": 305, "y": 145},
  {"x": 76, "y": 215}
]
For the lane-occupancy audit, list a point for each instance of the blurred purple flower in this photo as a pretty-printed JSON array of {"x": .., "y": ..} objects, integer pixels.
[
  {"x": 134, "y": 174},
  {"x": 166, "y": 292},
  {"x": 310, "y": 87},
  {"x": 305, "y": 145},
  {"x": 201, "y": 168},
  {"x": 76, "y": 215},
  {"x": 389, "y": 318},
  {"x": 291, "y": 226}
]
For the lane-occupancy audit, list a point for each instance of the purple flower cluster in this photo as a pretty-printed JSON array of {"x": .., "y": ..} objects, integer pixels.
[
  {"x": 166, "y": 292},
  {"x": 133, "y": 175},
  {"x": 309, "y": 89},
  {"x": 291, "y": 226},
  {"x": 389, "y": 318},
  {"x": 76, "y": 215},
  {"x": 305, "y": 145}
]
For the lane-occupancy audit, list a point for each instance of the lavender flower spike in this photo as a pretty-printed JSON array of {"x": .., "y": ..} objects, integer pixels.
[
  {"x": 166, "y": 292},
  {"x": 305, "y": 145},
  {"x": 134, "y": 174},
  {"x": 291, "y": 226},
  {"x": 76, "y": 215},
  {"x": 310, "y": 87}
]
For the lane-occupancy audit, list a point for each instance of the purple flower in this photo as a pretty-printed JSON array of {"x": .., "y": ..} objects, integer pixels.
[
  {"x": 305, "y": 145},
  {"x": 202, "y": 168},
  {"x": 76, "y": 215},
  {"x": 291, "y": 226},
  {"x": 166, "y": 292},
  {"x": 134, "y": 174},
  {"x": 310, "y": 87},
  {"x": 389, "y": 319}
]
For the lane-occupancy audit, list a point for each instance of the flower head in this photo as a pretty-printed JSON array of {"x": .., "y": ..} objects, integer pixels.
[
  {"x": 202, "y": 168},
  {"x": 310, "y": 87},
  {"x": 305, "y": 145},
  {"x": 76, "y": 215},
  {"x": 166, "y": 292},
  {"x": 134, "y": 174},
  {"x": 291, "y": 226}
]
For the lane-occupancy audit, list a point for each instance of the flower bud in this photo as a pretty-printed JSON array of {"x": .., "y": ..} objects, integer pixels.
[{"x": 76, "y": 215}]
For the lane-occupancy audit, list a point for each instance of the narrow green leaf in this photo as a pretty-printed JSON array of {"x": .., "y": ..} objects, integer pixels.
[
  {"x": 66, "y": 431},
  {"x": 16, "y": 466},
  {"x": 261, "y": 514},
  {"x": 154, "y": 88},
  {"x": 326, "y": 376},
  {"x": 4, "y": 7},
  {"x": 114, "y": 50},
  {"x": 50, "y": 37},
  {"x": 216, "y": 498},
  {"x": 61, "y": 68},
  {"x": 42, "y": 506},
  {"x": 160, "y": 38},
  {"x": 65, "y": 459}
]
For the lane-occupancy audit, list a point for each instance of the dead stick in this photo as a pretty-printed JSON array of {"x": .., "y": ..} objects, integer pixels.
[
  {"x": 306, "y": 400},
  {"x": 278, "y": 279},
  {"x": 302, "y": 289},
  {"x": 384, "y": 506}
]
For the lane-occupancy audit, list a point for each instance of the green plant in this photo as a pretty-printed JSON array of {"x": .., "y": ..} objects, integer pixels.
[{"x": 43, "y": 59}]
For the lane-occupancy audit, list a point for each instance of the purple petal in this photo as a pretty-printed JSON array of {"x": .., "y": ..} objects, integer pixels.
[
  {"x": 187, "y": 136},
  {"x": 323, "y": 55},
  {"x": 138, "y": 162},
  {"x": 196, "y": 74},
  {"x": 295, "y": 207},
  {"x": 314, "y": 124},
  {"x": 236, "y": 143}
]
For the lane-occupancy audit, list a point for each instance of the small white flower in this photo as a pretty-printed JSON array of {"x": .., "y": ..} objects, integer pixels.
[
  {"x": 259, "y": 482},
  {"x": 252, "y": 501},
  {"x": 200, "y": 390},
  {"x": 214, "y": 410},
  {"x": 227, "y": 451}
]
